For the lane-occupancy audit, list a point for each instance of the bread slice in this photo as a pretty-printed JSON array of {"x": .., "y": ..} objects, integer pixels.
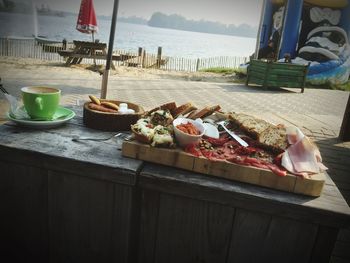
[
  {"x": 142, "y": 132},
  {"x": 274, "y": 138},
  {"x": 167, "y": 106},
  {"x": 162, "y": 137},
  {"x": 268, "y": 136},
  {"x": 249, "y": 124},
  {"x": 183, "y": 109},
  {"x": 192, "y": 113},
  {"x": 161, "y": 117},
  {"x": 205, "y": 112}
]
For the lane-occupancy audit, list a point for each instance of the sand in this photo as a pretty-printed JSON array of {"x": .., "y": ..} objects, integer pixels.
[{"x": 8, "y": 64}]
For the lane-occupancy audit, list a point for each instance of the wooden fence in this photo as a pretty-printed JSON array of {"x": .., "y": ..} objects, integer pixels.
[{"x": 36, "y": 49}]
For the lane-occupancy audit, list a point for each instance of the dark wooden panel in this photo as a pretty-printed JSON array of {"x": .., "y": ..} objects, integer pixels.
[
  {"x": 260, "y": 238},
  {"x": 330, "y": 210},
  {"x": 192, "y": 231},
  {"x": 23, "y": 213},
  {"x": 338, "y": 260},
  {"x": 81, "y": 217},
  {"x": 122, "y": 223},
  {"x": 288, "y": 241},
  {"x": 248, "y": 236},
  {"x": 341, "y": 250},
  {"x": 324, "y": 244},
  {"x": 148, "y": 225}
]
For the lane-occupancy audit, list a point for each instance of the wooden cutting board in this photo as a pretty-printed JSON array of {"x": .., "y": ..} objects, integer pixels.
[{"x": 177, "y": 158}]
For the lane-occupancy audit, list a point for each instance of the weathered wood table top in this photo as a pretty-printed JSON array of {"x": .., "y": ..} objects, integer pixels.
[
  {"x": 56, "y": 145},
  {"x": 103, "y": 157}
]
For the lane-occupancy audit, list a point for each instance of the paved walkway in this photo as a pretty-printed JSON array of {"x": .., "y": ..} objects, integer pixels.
[{"x": 318, "y": 112}]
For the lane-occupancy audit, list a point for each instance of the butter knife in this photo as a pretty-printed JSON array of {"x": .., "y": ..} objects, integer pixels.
[{"x": 233, "y": 135}]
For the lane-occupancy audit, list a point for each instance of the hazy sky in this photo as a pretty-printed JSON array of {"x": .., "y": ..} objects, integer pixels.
[{"x": 225, "y": 11}]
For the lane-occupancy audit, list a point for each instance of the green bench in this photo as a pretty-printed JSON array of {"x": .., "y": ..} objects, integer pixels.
[{"x": 276, "y": 74}]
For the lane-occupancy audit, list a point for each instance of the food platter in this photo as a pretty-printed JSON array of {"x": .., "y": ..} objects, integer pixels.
[
  {"x": 311, "y": 186},
  {"x": 264, "y": 154}
]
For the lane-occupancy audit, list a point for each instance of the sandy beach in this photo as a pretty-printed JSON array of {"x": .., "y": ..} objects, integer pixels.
[{"x": 10, "y": 64}]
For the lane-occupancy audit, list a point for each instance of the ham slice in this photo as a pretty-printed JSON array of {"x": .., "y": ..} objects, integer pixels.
[{"x": 302, "y": 157}]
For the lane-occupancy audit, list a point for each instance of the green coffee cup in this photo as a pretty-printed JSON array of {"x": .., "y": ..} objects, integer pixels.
[{"x": 41, "y": 102}]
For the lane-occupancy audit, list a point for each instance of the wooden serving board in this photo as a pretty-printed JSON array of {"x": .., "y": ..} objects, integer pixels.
[{"x": 177, "y": 158}]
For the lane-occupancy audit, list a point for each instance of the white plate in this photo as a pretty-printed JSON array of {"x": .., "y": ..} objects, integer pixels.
[
  {"x": 57, "y": 120},
  {"x": 211, "y": 130}
]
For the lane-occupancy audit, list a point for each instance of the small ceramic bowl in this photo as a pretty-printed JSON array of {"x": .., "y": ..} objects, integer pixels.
[{"x": 183, "y": 138}]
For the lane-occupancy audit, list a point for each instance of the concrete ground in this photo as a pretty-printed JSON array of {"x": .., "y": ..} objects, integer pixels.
[{"x": 318, "y": 112}]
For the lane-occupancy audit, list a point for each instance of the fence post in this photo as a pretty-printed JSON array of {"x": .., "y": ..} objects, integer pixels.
[
  {"x": 6, "y": 49},
  {"x": 159, "y": 57},
  {"x": 64, "y": 44},
  {"x": 140, "y": 56},
  {"x": 197, "y": 66},
  {"x": 140, "y": 51},
  {"x": 143, "y": 57}
]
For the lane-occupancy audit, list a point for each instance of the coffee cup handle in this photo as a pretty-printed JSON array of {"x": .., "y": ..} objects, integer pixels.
[{"x": 39, "y": 102}]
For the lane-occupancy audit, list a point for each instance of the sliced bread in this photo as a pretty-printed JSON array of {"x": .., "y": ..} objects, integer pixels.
[
  {"x": 268, "y": 136},
  {"x": 274, "y": 138},
  {"x": 183, "y": 109},
  {"x": 167, "y": 106},
  {"x": 205, "y": 112}
]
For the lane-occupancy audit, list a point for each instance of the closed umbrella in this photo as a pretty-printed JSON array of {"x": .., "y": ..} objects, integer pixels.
[
  {"x": 87, "y": 22},
  {"x": 110, "y": 50}
]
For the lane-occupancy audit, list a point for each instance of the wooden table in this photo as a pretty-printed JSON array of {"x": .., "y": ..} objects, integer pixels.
[
  {"x": 63, "y": 201},
  {"x": 83, "y": 49}
]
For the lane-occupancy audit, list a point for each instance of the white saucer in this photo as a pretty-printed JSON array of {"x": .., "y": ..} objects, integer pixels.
[{"x": 61, "y": 116}]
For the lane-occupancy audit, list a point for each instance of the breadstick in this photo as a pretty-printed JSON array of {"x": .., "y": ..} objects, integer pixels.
[
  {"x": 110, "y": 105},
  {"x": 93, "y": 106},
  {"x": 95, "y": 100}
]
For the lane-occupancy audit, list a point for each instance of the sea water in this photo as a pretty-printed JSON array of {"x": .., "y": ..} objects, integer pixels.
[{"x": 174, "y": 43}]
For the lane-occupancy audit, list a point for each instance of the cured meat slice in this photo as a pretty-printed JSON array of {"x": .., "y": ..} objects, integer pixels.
[
  {"x": 302, "y": 157},
  {"x": 218, "y": 142},
  {"x": 193, "y": 149}
]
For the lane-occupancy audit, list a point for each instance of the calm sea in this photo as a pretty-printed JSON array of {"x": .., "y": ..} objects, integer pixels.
[{"x": 175, "y": 43}]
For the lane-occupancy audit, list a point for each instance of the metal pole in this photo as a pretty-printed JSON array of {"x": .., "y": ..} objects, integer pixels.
[
  {"x": 110, "y": 50},
  {"x": 35, "y": 19}
]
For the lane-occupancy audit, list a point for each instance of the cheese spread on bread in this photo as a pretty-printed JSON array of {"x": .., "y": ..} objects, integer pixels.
[
  {"x": 144, "y": 128},
  {"x": 162, "y": 136},
  {"x": 161, "y": 117}
]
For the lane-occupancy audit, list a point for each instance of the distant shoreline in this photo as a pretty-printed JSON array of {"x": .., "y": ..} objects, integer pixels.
[
  {"x": 179, "y": 22},
  {"x": 161, "y": 20}
]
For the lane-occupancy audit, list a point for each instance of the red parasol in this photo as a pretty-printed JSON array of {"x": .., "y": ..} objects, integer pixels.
[{"x": 87, "y": 22}]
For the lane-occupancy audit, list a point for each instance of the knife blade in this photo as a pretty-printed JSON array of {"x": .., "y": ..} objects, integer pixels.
[{"x": 234, "y": 136}]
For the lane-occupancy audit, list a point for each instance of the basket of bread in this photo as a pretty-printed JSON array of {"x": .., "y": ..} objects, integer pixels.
[{"x": 111, "y": 115}]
